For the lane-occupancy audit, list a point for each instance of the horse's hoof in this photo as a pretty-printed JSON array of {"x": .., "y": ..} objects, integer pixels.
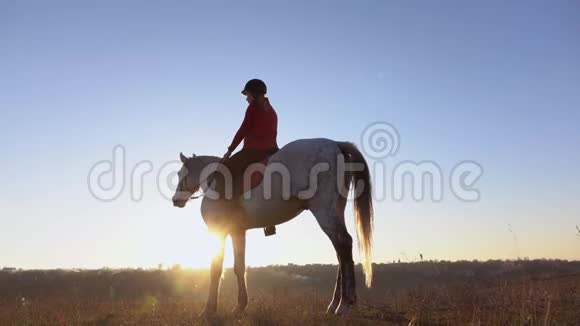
[
  {"x": 238, "y": 310},
  {"x": 207, "y": 313},
  {"x": 331, "y": 308},
  {"x": 343, "y": 309}
]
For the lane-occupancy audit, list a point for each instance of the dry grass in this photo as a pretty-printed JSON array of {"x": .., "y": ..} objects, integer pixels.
[{"x": 463, "y": 293}]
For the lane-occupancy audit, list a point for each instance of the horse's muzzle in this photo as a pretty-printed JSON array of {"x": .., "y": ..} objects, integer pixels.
[{"x": 179, "y": 203}]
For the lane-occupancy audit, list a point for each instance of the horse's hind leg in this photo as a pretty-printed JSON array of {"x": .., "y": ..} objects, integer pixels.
[
  {"x": 331, "y": 220},
  {"x": 337, "y": 291}
]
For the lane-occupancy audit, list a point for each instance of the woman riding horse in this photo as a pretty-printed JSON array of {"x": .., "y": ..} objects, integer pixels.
[
  {"x": 258, "y": 131},
  {"x": 313, "y": 174}
]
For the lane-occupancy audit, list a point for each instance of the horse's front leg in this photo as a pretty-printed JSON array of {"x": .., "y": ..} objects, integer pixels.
[
  {"x": 239, "y": 244},
  {"x": 214, "y": 278}
]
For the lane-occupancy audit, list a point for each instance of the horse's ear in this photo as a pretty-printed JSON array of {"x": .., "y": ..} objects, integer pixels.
[
  {"x": 193, "y": 155},
  {"x": 182, "y": 158}
]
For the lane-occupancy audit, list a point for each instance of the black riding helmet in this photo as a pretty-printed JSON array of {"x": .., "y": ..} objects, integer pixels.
[{"x": 255, "y": 87}]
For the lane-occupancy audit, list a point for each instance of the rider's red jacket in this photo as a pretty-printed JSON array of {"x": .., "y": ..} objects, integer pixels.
[{"x": 259, "y": 128}]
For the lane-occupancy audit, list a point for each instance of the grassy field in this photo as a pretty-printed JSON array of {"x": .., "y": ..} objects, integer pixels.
[{"x": 426, "y": 293}]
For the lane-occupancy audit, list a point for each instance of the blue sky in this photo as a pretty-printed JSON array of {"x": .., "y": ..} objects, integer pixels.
[{"x": 495, "y": 82}]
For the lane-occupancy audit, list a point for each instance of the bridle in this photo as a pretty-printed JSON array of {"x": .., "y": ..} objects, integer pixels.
[
  {"x": 208, "y": 180},
  {"x": 183, "y": 181},
  {"x": 199, "y": 187}
]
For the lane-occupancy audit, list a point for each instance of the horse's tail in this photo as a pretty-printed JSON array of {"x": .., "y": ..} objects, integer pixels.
[{"x": 363, "y": 205}]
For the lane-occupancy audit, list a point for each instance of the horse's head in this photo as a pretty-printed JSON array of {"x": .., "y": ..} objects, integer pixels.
[{"x": 189, "y": 182}]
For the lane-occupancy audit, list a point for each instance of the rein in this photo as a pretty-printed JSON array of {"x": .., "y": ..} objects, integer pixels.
[{"x": 197, "y": 197}]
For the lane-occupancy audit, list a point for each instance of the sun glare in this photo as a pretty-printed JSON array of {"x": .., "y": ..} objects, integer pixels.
[{"x": 214, "y": 247}]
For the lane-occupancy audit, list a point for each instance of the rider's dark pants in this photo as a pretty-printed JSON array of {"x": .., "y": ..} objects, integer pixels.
[{"x": 237, "y": 165}]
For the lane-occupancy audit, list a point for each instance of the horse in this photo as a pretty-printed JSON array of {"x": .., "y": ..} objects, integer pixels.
[{"x": 313, "y": 174}]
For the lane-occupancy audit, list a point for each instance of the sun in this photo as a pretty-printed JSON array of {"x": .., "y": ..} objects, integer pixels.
[{"x": 211, "y": 248}]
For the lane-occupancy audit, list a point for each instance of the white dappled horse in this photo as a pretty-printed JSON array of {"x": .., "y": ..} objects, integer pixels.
[{"x": 307, "y": 174}]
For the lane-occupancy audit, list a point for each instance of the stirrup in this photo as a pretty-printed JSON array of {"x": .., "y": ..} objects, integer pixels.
[{"x": 269, "y": 230}]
